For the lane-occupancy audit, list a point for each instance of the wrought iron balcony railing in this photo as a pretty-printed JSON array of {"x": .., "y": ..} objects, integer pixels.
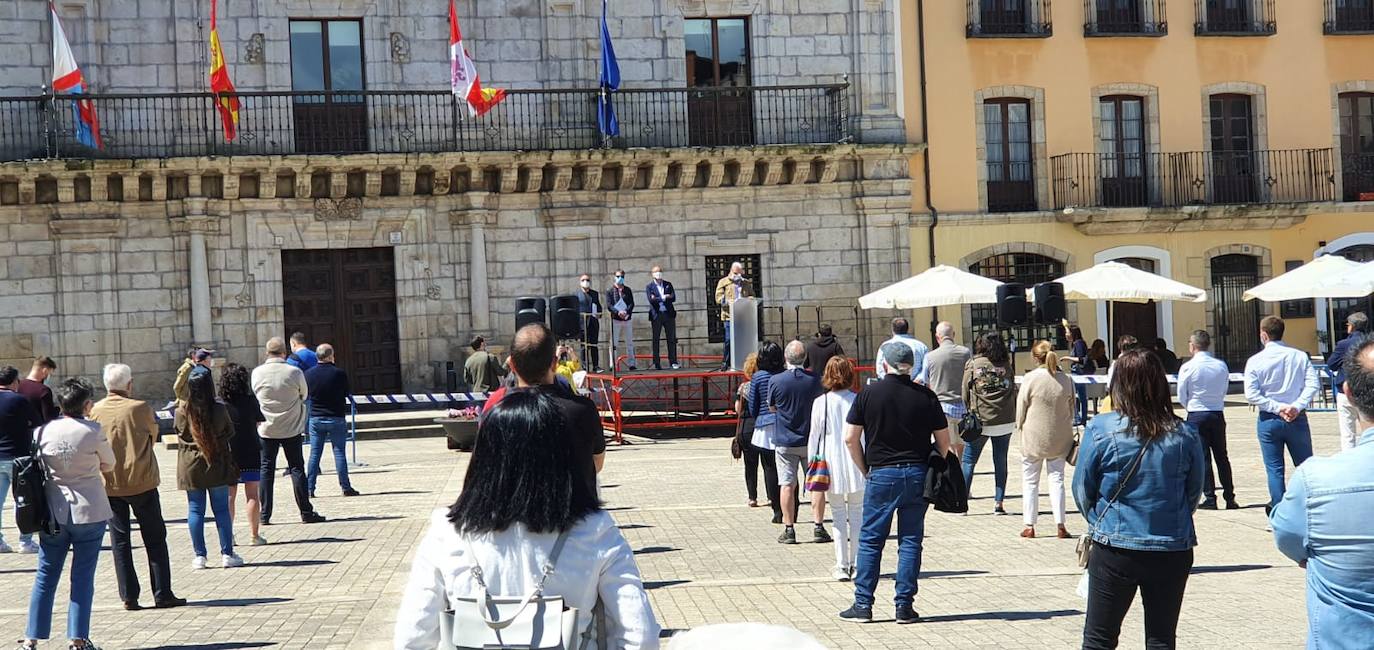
[
  {"x": 1008, "y": 19},
  {"x": 1349, "y": 17},
  {"x": 1234, "y": 18},
  {"x": 1192, "y": 178},
  {"x": 1125, "y": 18},
  {"x": 279, "y": 123}
]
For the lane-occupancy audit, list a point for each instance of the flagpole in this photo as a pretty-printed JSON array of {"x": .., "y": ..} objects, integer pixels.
[{"x": 50, "y": 142}]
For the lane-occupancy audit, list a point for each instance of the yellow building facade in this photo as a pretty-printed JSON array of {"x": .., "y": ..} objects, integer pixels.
[{"x": 1216, "y": 142}]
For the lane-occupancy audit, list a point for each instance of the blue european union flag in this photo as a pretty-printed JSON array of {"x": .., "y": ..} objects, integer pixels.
[{"x": 610, "y": 81}]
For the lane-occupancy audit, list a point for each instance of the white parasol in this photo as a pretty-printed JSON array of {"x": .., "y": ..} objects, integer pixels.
[
  {"x": 1119, "y": 282},
  {"x": 934, "y": 287},
  {"x": 1328, "y": 276}
]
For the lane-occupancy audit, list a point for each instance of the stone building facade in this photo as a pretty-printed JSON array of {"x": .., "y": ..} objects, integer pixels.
[{"x": 137, "y": 257}]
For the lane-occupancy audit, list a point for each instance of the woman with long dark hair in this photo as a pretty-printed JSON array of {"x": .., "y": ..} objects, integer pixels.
[
  {"x": 770, "y": 362},
  {"x": 1081, "y": 363},
  {"x": 205, "y": 466},
  {"x": 1137, "y": 482},
  {"x": 236, "y": 392},
  {"x": 520, "y": 499},
  {"x": 990, "y": 391}
]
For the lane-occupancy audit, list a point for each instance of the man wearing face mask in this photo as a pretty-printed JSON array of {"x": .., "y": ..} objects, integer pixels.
[
  {"x": 729, "y": 289},
  {"x": 621, "y": 301},
  {"x": 589, "y": 306},
  {"x": 663, "y": 316}
]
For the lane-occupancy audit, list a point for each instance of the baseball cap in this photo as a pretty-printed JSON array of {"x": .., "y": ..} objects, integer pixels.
[{"x": 898, "y": 354}]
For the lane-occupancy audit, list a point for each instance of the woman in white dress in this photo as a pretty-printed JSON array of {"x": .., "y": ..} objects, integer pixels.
[{"x": 846, "y": 493}]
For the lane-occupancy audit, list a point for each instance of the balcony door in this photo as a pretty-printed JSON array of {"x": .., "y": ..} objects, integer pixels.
[
  {"x": 327, "y": 58},
  {"x": 1357, "y": 146},
  {"x": 1120, "y": 16},
  {"x": 1233, "y": 149},
  {"x": 1355, "y": 15},
  {"x": 1229, "y": 16},
  {"x": 1003, "y": 16},
  {"x": 720, "y": 111},
  {"x": 1011, "y": 165},
  {"x": 1122, "y": 143}
]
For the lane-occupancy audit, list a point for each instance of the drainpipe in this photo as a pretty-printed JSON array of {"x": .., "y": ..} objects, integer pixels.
[{"x": 925, "y": 152}]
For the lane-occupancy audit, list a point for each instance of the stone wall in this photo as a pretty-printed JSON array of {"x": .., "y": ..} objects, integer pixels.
[
  {"x": 158, "y": 46},
  {"x": 94, "y": 255}
]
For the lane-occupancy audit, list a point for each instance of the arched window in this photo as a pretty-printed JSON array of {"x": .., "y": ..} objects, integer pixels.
[
  {"x": 1028, "y": 269},
  {"x": 1343, "y": 307}
]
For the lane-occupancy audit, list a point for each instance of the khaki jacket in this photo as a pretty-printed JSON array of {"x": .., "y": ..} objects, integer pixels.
[
  {"x": 725, "y": 297},
  {"x": 195, "y": 471},
  {"x": 181, "y": 388},
  {"x": 1044, "y": 414},
  {"x": 131, "y": 428},
  {"x": 281, "y": 391}
]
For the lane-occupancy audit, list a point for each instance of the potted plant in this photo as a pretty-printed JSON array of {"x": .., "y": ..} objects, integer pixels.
[{"x": 460, "y": 427}]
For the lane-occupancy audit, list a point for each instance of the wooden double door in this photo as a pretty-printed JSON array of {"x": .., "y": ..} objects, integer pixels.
[{"x": 347, "y": 298}]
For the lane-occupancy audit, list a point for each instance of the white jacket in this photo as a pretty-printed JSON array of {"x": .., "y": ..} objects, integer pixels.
[
  {"x": 828, "y": 413},
  {"x": 596, "y": 563}
]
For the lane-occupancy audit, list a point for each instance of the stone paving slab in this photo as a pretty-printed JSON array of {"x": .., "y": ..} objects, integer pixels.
[{"x": 705, "y": 556}]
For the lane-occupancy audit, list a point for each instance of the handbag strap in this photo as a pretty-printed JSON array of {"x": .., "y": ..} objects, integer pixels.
[{"x": 485, "y": 597}]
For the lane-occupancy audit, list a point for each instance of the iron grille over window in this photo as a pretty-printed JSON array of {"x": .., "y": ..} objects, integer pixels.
[
  {"x": 1234, "y": 18},
  {"x": 1124, "y": 18},
  {"x": 1008, "y": 18},
  {"x": 1349, "y": 17},
  {"x": 717, "y": 267},
  {"x": 1026, "y": 268}
]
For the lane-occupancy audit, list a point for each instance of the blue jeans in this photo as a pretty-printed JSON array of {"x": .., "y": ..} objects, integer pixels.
[
  {"x": 195, "y": 519},
  {"x": 1081, "y": 390},
  {"x": 84, "y": 541},
  {"x": 7, "y": 475},
  {"x": 999, "y": 463},
  {"x": 729, "y": 330},
  {"x": 335, "y": 431},
  {"x": 1274, "y": 435},
  {"x": 891, "y": 491}
]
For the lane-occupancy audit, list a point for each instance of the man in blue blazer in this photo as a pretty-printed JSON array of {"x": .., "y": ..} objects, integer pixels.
[{"x": 662, "y": 316}]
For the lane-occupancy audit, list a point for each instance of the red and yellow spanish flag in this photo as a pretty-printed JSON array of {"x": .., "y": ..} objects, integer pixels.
[{"x": 226, "y": 101}]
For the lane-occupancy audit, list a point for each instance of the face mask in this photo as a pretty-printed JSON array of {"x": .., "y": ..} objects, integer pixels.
[
  {"x": 586, "y": 284},
  {"x": 619, "y": 280},
  {"x": 658, "y": 275},
  {"x": 735, "y": 277}
]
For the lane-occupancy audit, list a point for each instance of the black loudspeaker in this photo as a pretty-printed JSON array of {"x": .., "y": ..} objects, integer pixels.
[
  {"x": 1050, "y": 308},
  {"x": 529, "y": 310},
  {"x": 1011, "y": 304},
  {"x": 564, "y": 320}
]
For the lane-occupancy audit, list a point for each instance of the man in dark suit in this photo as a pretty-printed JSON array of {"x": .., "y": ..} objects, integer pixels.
[
  {"x": 663, "y": 316},
  {"x": 589, "y": 306},
  {"x": 620, "y": 298}
]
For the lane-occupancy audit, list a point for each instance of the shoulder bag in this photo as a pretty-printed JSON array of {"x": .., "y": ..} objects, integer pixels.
[
  {"x": 31, "y": 512},
  {"x": 818, "y": 470},
  {"x": 535, "y": 622},
  {"x": 737, "y": 442},
  {"x": 970, "y": 425},
  {"x": 1085, "y": 541}
]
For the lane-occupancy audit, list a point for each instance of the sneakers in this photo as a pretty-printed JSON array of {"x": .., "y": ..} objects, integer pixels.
[
  {"x": 350, "y": 492},
  {"x": 198, "y": 562},
  {"x": 312, "y": 518},
  {"x": 5, "y": 548},
  {"x": 841, "y": 573},
  {"x": 856, "y": 613},
  {"x": 819, "y": 535},
  {"x": 788, "y": 536},
  {"x": 906, "y": 615},
  {"x": 999, "y": 510},
  {"x": 675, "y": 366},
  {"x": 28, "y": 546},
  {"x": 259, "y": 540},
  {"x": 88, "y": 645},
  {"x": 232, "y": 560}
]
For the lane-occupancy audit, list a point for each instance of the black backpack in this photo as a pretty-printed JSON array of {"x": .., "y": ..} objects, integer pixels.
[{"x": 29, "y": 488}]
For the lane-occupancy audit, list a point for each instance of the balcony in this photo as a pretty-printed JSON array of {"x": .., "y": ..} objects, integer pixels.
[
  {"x": 1008, "y": 19},
  {"x": 1349, "y": 17},
  {"x": 1192, "y": 178},
  {"x": 1125, "y": 18},
  {"x": 285, "y": 123},
  {"x": 1234, "y": 18}
]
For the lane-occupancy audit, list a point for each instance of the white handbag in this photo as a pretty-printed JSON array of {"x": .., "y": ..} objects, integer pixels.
[{"x": 534, "y": 622}]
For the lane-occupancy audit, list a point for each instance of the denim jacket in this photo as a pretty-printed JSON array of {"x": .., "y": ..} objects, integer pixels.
[
  {"x": 758, "y": 400},
  {"x": 1154, "y": 511},
  {"x": 1324, "y": 520}
]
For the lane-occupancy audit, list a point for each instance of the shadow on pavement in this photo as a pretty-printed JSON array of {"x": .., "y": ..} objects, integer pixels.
[
  {"x": 392, "y": 493},
  {"x": 319, "y": 540},
  {"x": 633, "y": 526},
  {"x": 239, "y": 602},
  {"x": 292, "y": 563},
  {"x": 232, "y": 645},
  {"x": 366, "y": 518},
  {"x": 659, "y": 584},
  {"x": 1002, "y": 616},
  {"x": 1230, "y": 568},
  {"x": 938, "y": 574}
]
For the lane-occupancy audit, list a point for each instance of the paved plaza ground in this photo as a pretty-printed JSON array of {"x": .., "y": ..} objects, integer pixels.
[{"x": 705, "y": 557}]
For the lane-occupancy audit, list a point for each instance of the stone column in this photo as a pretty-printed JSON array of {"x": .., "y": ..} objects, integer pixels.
[
  {"x": 200, "y": 290},
  {"x": 476, "y": 220}
]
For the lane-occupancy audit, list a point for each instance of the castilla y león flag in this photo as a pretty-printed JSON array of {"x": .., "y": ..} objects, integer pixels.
[
  {"x": 226, "y": 101},
  {"x": 66, "y": 78},
  {"x": 466, "y": 83}
]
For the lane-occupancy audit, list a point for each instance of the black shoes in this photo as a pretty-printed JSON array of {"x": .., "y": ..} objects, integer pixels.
[
  {"x": 1208, "y": 504},
  {"x": 350, "y": 492},
  {"x": 777, "y": 518},
  {"x": 788, "y": 536},
  {"x": 906, "y": 615},
  {"x": 856, "y": 613},
  {"x": 1232, "y": 505},
  {"x": 312, "y": 518},
  {"x": 170, "y": 603},
  {"x": 312, "y": 494},
  {"x": 819, "y": 535},
  {"x": 132, "y": 606}
]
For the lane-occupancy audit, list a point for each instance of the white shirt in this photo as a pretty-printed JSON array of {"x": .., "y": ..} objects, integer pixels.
[
  {"x": 1202, "y": 383},
  {"x": 596, "y": 563},
  {"x": 1280, "y": 376},
  {"x": 827, "y": 422},
  {"x": 919, "y": 349}
]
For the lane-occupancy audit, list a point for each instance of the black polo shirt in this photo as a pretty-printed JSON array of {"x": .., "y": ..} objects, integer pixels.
[
  {"x": 582, "y": 424},
  {"x": 898, "y": 417}
]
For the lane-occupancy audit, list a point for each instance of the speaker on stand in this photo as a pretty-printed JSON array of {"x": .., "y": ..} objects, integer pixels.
[
  {"x": 529, "y": 309},
  {"x": 1050, "y": 307},
  {"x": 565, "y": 320}
]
